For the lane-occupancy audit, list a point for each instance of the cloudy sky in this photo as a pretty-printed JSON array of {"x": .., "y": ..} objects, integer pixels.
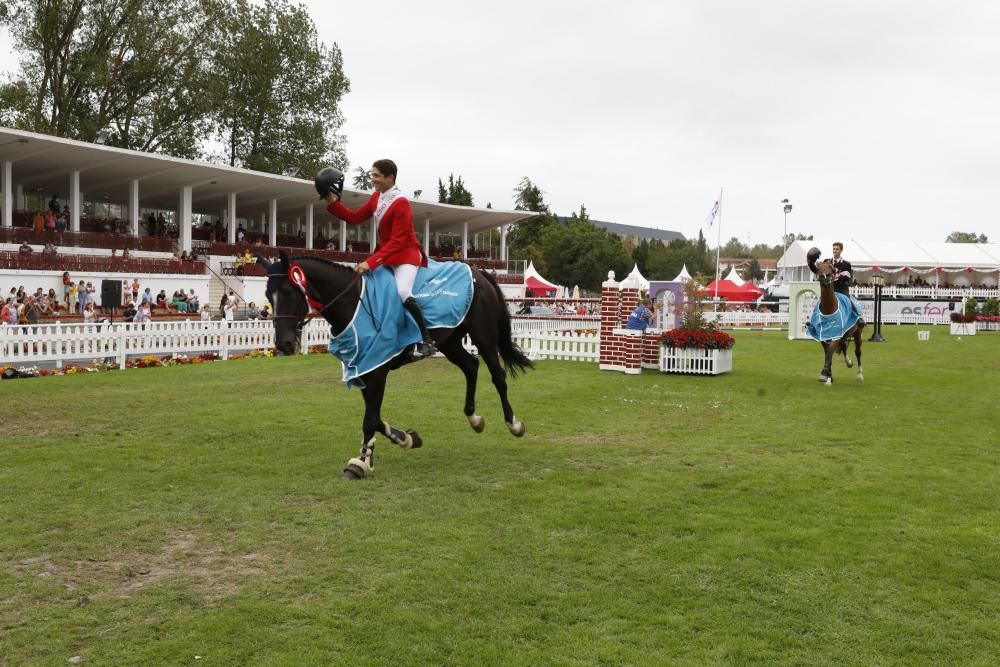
[{"x": 876, "y": 119}]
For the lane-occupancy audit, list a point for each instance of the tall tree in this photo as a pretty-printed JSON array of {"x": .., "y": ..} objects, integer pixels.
[
  {"x": 966, "y": 237},
  {"x": 454, "y": 193},
  {"x": 363, "y": 179},
  {"x": 134, "y": 70},
  {"x": 527, "y": 234},
  {"x": 581, "y": 253},
  {"x": 280, "y": 111}
]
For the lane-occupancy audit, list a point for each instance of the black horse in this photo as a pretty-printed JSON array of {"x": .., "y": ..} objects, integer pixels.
[{"x": 334, "y": 292}]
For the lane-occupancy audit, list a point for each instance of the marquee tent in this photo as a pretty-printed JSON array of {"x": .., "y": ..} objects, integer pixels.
[
  {"x": 638, "y": 278},
  {"x": 683, "y": 276},
  {"x": 538, "y": 285},
  {"x": 734, "y": 277},
  {"x": 731, "y": 292},
  {"x": 959, "y": 264}
]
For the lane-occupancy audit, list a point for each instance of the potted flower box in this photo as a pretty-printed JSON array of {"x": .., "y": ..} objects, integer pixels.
[{"x": 697, "y": 351}]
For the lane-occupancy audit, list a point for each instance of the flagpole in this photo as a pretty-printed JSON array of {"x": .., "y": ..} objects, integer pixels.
[{"x": 718, "y": 245}]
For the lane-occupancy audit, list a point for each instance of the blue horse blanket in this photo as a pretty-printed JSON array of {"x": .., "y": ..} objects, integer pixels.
[
  {"x": 381, "y": 328},
  {"x": 833, "y": 326}
]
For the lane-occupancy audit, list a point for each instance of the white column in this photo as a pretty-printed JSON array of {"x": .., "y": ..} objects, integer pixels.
[
  {"x": 184, "y": 218},
  {"x": 6, "y": 170},
  {"x": 19, "y": 197},
  {"x": 503, "y": 242},
  {"x": 465, "y": 240},
  {"x": 231, "y": 217},
  {"x": 342, "y": 239},
  {"x": 133, "y": 206},
  {"x": 272, "y": 230},
  {"x": 427, "y": 236},
  {"x": 75, "y": 201},
  {"x": 309, "y": 226}
]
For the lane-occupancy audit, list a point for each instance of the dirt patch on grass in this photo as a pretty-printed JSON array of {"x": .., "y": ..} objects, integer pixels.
[
  {"x": 585, "y": 439},
  {"x": 43, "y": 428},
  {"x": 215, "y": 570}
]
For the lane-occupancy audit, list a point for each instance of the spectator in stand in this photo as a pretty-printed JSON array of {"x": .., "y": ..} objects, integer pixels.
[
  {"x": 49, "y": 249},
  {"x": 89, "y": 313},
  {"x": 129, "y": 310},
  {"x": 265, "y": 312},
  {"x": 143, "y": 314},
  {"x": 71, "y": 295},
  {"x": 38, "y": 223},
  {"x": 229, "y": 310},
  {"x": 179, "y": 301},
  {"x": 252, "y": 313},
  {"x": 330, "y": 245},
  {"x": 161, "y": 299},
  {"x": 206, "y": 313},
  {"x": 52, "y": 297},
  {"x": 54, "y": 204},
  {"x": 241, "y": 234},
  {"x": 185, "y": 256},
  {"x": 193, "y": 303},
  {"x": 147, "y": 295},
  {"x": 61, "y": 222},
  {"x": 31, "y": 311},
  {"x": 9, "y": 312},
  {"x": 90, "y": 293},
  {"x": 50, "y": 221},
  {"x": 161, "y": 225},
  {"x": 81, "y": 297},
  {"x": 126, "y": 254},
  {"x": 25, "y": 249},
  {"x": 135, "y": 290}
]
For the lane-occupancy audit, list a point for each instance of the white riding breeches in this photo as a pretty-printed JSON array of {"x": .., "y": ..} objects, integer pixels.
[{"x": 405, "y": 275}]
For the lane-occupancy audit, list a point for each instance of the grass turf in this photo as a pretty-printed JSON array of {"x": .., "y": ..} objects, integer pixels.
[{"x": 151, "y": 516}]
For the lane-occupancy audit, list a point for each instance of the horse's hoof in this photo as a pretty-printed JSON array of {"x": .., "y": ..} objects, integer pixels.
[
  {"x": 477, "y": 423},
  {"x": 861, "y": 378},
  {"x": 417, "y": 441},
  {"x": 516, "y": 429},
  {"x": 353, "y": 472},
  {"x": 829, "y": 382},
  {"x": 850, "y": 364}
]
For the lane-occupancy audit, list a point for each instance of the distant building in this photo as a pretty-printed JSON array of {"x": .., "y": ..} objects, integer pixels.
[{"x": 634, "y": 232}]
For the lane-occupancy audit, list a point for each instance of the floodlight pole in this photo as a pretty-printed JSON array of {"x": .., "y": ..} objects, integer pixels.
[{"x": 784, "y": 242}]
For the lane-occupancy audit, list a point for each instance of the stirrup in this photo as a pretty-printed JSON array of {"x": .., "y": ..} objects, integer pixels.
[{"x": 423, "y": 349}]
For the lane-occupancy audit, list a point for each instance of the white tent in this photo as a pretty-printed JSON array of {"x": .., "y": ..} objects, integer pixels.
[
  {"x": 734, "y": 277},
  {"x": 952, "y": 263},
  {"x": 683, "y": 276},
  {"x": 637, "y": 277}
]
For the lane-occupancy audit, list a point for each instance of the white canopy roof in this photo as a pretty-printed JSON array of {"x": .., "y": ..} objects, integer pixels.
[
  {"x": 734, "y": 277},
  {"x": 683, "y": 276},
  {"x": 636, "y": 277},
  {"x": 890, "y": 256}
]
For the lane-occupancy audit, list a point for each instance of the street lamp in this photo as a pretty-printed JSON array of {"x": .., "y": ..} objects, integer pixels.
[
  {"x": 784, "y": 242},
  {"x": 878, "y": 280}
]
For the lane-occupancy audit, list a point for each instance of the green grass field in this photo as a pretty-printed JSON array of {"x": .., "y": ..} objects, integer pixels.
[{"x": 151, "y": 516}]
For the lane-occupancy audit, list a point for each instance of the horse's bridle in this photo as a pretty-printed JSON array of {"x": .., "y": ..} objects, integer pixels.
[
  {"x": 315, "y": 308},
  {"x": 825, "y": 278}
]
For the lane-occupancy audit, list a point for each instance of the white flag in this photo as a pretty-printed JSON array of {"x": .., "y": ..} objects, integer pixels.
[{"x": 711, "y": 216}]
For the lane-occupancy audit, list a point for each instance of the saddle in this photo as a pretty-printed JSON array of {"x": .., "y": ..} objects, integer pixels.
[{"x": 381, "y": 328}]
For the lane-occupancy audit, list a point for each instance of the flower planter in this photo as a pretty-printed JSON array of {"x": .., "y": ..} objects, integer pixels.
[
  {"x": 963, "y": 328},
  {"x": 695, "y": 360}
]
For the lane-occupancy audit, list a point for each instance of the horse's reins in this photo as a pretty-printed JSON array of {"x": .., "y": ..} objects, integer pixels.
[{"x": 297, "y": 277}]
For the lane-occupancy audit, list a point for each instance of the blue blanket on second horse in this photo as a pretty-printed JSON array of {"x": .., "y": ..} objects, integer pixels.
[
  {"x": 381, "y": 328},
  {"x": 833, "y": 326}
]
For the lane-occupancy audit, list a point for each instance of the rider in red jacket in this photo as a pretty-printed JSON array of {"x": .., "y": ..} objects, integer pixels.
[{"x": 398, "y": 247}]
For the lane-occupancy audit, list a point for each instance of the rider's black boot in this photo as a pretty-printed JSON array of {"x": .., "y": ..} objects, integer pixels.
[{"x": 426, "y": 347}]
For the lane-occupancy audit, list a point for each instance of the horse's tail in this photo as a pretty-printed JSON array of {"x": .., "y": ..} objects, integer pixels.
[{"x": 513, "y": 358}]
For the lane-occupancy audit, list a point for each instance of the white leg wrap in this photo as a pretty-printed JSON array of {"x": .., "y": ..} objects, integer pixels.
[
  {"x": 477, "y": 423},
  {"x": 361, "y": 463},
  {"x": 516, "y": 427}
]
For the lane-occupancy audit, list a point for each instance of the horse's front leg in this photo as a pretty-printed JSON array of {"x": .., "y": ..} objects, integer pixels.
[
  {"x": 364, "y": 462},
  {"x": 826, "y": 375},
  {"x": 469, "y": 365}
]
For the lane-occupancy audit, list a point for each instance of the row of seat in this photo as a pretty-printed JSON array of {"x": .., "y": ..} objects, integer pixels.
[{"x": 97, "y": 263}]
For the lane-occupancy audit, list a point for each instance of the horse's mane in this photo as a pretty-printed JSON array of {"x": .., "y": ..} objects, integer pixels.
[{"x": 323, "y": 260}]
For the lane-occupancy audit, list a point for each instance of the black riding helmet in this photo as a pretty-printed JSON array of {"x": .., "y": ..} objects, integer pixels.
[
  {"x": 812, "y": 257},
  {"x": 329, "y": 180}
]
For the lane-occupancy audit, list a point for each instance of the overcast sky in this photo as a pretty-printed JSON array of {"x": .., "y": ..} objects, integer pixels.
[{"x": 876, "y": 119}]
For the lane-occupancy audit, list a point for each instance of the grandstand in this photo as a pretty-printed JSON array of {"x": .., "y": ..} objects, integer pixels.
[{"x": 173, "y": 223}]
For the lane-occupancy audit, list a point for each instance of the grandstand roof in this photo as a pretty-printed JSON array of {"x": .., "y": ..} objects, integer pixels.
[
  {"x": 43, "y": 163},
  {"x": 665, "y": 235}
]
